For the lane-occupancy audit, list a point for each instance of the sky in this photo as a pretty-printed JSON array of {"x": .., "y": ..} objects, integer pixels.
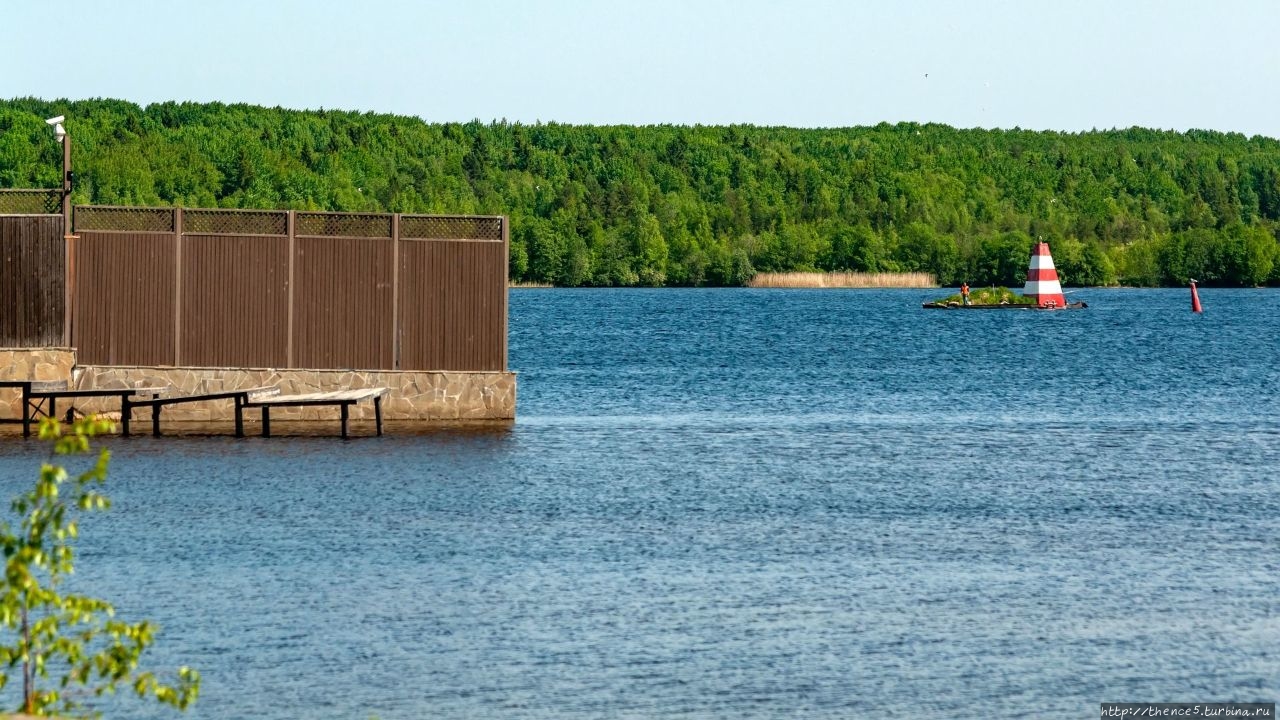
[{"x": 1056, "y": 65}]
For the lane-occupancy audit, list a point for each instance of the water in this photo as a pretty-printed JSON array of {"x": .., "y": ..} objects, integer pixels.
[{"x": 743, "y": 504}]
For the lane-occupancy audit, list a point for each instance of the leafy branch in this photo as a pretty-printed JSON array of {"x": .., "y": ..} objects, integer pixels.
[{"x": 68, "y": 645}]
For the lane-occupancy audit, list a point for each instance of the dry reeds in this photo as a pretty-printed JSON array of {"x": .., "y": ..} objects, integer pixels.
[
  {"x": 530, "y": 285},
  {"x": 842, "y": 280}
]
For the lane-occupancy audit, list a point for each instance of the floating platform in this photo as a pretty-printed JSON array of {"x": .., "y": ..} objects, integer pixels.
[{"x": 1010, "y": 306}]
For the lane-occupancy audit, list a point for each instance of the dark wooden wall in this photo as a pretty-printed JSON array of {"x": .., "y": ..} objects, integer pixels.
[{"x": 32, "y": 290}]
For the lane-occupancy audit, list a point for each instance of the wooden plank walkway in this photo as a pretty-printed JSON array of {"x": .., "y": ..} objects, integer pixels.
[
  {"x": 239, "y": 397},
  {"x": 35, "y": 394},
  {"x": 344, "y": 399}
]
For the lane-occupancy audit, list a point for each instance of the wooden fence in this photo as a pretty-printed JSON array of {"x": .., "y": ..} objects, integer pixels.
[
  {"x": 32, "y": 301},
  {"x": 281, "y": 289}
]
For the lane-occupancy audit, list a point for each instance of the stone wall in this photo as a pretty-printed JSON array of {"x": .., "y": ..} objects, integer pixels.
[
  {"x": 31, "y": 364},
  {"x": 421, "y": 396},
  {"x": 418, "y": 398}
]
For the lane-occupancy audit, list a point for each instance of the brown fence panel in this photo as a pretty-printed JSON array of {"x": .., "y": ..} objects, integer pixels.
[
  {"x": 123, "y": 310},
  {"x": 32, "y": 256},
  {"x": 343, "y": 303},
  {"x": 320, "y": 290},
  {"x": 453, "y": 305},
  {"x": 235, "y": 301}
]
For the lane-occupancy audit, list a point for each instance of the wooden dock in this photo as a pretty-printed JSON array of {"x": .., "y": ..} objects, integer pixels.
[
  {"x": 40, "y": 398},
  {"x": 344, "y": 399},
  {"x": 240, "y": 397}
]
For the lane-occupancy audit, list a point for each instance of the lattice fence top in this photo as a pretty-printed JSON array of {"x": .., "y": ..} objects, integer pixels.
[
  {"x": 235, "y": 222},
  {"x": 269, "y": 222},
  {"x": 342, "y": 225},
  {"x": 122, "y": 219},
  {"x": 30, "y": 202},
  {"x": 435, "y": 227}
]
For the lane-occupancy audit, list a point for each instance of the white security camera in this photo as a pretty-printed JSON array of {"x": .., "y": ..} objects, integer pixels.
[{"x": 56, "y": 120}]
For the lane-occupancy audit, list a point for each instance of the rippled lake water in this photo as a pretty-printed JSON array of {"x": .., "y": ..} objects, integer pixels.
[{"x": 743, "y": 504}]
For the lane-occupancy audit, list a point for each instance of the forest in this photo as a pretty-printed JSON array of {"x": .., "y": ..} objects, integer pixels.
[{"x": 672, "y": 205}]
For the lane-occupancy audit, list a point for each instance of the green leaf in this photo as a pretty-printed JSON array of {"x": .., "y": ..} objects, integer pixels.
[{"x": 66, "y": 639}]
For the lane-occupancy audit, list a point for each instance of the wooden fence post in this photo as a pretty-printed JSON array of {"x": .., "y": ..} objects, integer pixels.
[
  {"x": 68, "y": 282},
  {"x": 506, "y": 283},
  {"x": 395, "y": 291},
  {"x": 177, "y": 286},
  {"x": 291, "y": 229}
]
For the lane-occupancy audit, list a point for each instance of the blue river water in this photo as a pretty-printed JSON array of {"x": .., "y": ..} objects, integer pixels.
[{"x": 742, "y": 504}]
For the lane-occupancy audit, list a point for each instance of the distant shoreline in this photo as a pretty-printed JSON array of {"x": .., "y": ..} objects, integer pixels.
[
  {"x": 812, "y": 280},
  {"x": 822, "y": 281},
  {"x": 843, "y": 280}
]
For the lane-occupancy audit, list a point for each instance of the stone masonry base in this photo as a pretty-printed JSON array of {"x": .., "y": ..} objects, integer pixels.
[
  {"x": 419, "y": 398},
  {"x": 31, "y": 364}
]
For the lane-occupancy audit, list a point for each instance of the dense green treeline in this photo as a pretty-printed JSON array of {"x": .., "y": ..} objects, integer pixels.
[{"x": 675, "y": 205}]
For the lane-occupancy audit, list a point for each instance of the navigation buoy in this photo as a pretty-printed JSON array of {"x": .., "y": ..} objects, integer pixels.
[
  {"x": 1042, "y": 279},
  {"x": 1195, "y": 298}
]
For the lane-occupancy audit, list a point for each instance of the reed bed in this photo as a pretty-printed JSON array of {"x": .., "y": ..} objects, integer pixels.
[
  {"x": 530, "y": 285},
  {"x": 843, "y": 280}
]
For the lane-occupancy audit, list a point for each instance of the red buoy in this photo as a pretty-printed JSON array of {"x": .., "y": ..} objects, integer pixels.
[{"x": 1195, "y": 298}]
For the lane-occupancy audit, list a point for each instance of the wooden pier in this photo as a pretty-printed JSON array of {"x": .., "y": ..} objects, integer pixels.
[
  {"x": 344, "y": 399},
  {"x": 40, "y": 398}
]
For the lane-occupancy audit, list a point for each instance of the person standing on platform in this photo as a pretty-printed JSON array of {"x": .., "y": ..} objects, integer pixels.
[{"x": 964, "y": 293}]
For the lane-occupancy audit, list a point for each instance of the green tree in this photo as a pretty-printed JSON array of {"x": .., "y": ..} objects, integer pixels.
[
  {"x": 1241, "y": 255},
  {"x": 650, "y": 250},
  {"x": 879, "y": 199},
  {"x": 1261, "y": 252},
  {"x": 1082, "y": 263},
  {"x": 1189, "y": 254},
  {"x": 546, "y": 250},
  {"x": 922, "y": 249},
  {"x": 1138, "y": 264},
  {"x": 66, "y": 643},
  {"x": 1002, "y": 259},
  {"x": 857, "y": 247}
]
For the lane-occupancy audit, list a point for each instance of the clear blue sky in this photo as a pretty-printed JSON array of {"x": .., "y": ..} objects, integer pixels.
[{"x": 1056, "y": 65}]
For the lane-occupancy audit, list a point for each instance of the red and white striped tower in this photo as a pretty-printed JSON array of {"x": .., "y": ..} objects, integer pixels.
[{"x": 1042, "y": 279}]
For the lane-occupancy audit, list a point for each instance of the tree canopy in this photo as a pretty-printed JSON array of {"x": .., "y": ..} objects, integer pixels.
[{"x": 704, "y": 205}]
